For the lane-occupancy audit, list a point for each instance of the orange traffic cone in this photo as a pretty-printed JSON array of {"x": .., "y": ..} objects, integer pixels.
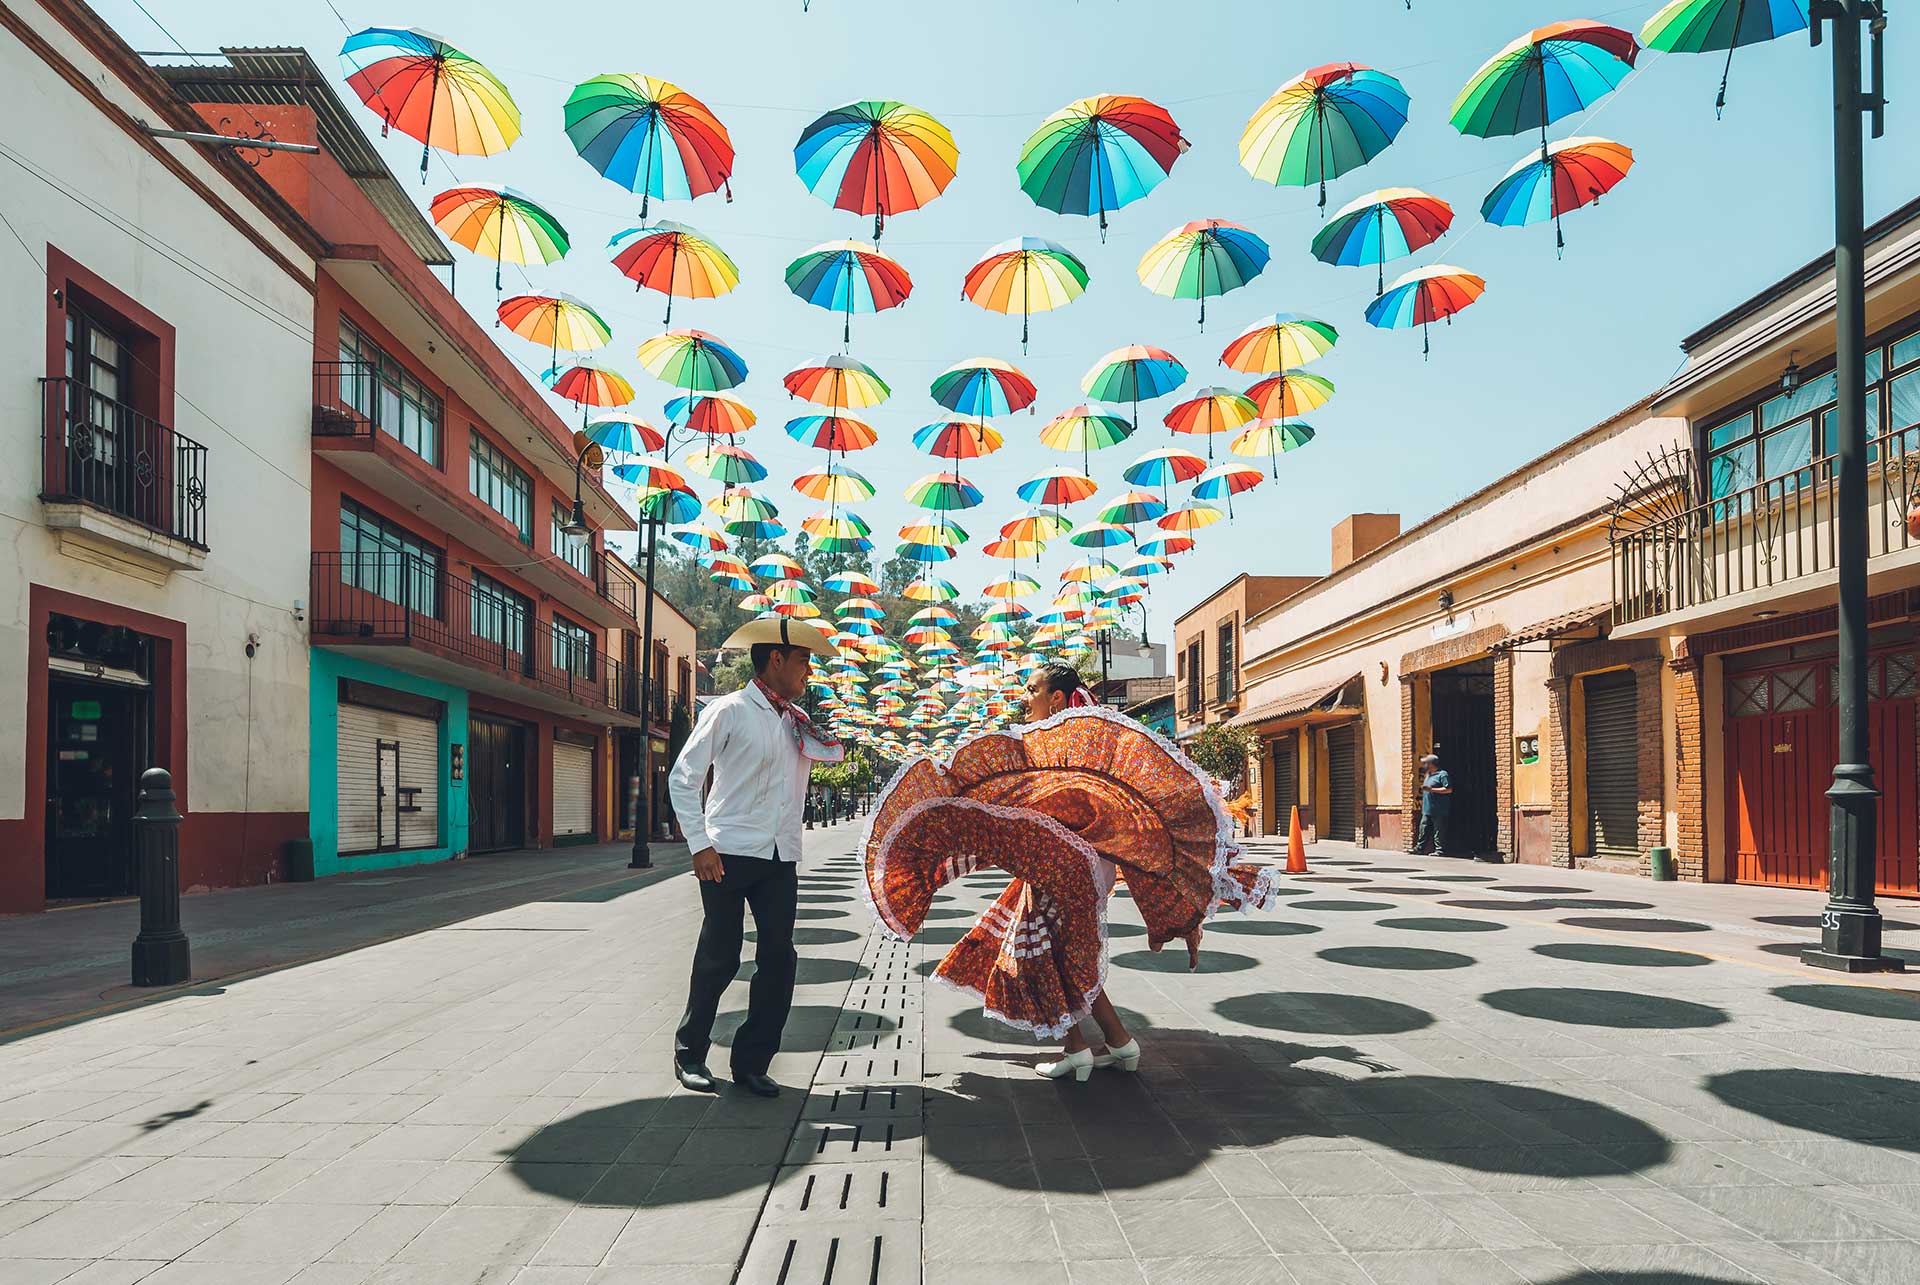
[{"x": 1296, "y": 846}]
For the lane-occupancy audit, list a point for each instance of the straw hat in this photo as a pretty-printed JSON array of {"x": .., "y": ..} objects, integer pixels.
[{"x": 783, "y": 631}]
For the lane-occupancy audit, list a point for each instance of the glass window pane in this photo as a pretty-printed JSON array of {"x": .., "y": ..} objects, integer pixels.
[
  {"x": 1906, "y": 350},
  {"x": 1733, "y": 470},
  {"x": 1810, "y": 396},
  {"x": 1874, "y": 365},
  {"x": 1788, "y": 449},
  {"x": 1732, "y": 430}
]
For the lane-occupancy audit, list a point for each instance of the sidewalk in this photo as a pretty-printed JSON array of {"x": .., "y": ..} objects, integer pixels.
[{"x": 1367, "y": 1084}]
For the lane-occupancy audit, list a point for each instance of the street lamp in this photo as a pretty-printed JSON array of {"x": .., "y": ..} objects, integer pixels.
[{"x": 642, "y": 857}]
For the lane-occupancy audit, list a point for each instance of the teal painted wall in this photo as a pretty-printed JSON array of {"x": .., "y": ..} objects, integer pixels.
[{"x": 324, "y": 786}]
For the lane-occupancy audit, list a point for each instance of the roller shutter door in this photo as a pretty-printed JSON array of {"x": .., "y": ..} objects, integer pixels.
[
  {"x": 572, "y": 790},
  {"x": 1343, "y": 784},
  {"x": 388, "y": 767},
  {"x": 1613, "y": 764},
  {"x": 1282, "y": 784}
]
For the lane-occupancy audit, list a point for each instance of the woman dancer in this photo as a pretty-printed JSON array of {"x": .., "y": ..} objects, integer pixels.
[{"x": 1080, "y": 796}]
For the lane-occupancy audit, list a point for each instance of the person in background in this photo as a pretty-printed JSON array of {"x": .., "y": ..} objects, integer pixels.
[{"x": 1436, "y": 805}]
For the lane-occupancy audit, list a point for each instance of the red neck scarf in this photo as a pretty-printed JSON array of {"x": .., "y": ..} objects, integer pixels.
[{"x": 814, "y": 743}]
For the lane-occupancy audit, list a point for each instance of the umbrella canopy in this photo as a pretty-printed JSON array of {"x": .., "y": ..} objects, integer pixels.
[
  {"x": 956, "y": 439},
  {"x": 778, "y": 565},
  {"x": 836, "y": 484},
  {"x": 1548, "y": 73},
  {"x": 554, "y": 320},
  {"x": 588, "y": 385},
  {"x": 1013, "y": 550},
  {"x": 1190, "y": 518},
  {"x": 1280, "y": 342},
  {"x": 1201, "y": 260},
  {"x": 1134, "y": 374},
  {"x": 700, "y": 537},
  {"x": 1210, "y": 411},
  {"x": 1132, "y": 507},
  {"x": 1707, "y": 26},
  {"x": 741, "y": 504},
  {"x": 929, "y": 589},
  {"x": 673, "y": 260},
  {"x": 620, "y": 431},
  {"x": 728, "y": 464},
  {"x": 1387, "y": 224},
  {"x": 1056, "y": 486},
  {"x": 876, "y": 158},
  {"x": 499, "y": 224},
  {"x": 835, "y": 523},
  {"x": 1026, "y": 275},
  {"x": 649, "y": 136},
  {"x": 1270, "y": 438},
  {"x": 1574, "y": 172},
  {"x": 838, "y": 381},
  {"x": 1224, "y": 481},
  {"x": 1099, "y": 154},
  {"x": 669, "y": 505},
  {"x": 848, "y": 277},
  {"x": 1166, "y": 465},
  {"x": 728, "y": 578},
  {"x": 1099, "y": 535},
  {"x": 1083, "y": 429},
  {"x": 863, "y": 608},
  {"x": 1039, "y": 525},
  {"x": 831, "y": 432},
  {"x": 790, "y": 590},
  {"x": 983, "y": 386},
  {"x": 430, "y": 91},
  {"x": 1290, "y": 394},
  {"x": 1009, "y": 587},
  {"x": 1424, "y": 296},
  {"x": 944, "y": 492},
  {"x": 851, "y": 582},
  {"x": 1167, "y": 546},
  {"x": 693, "y": 360},
  {"x": 652, "y": 475},
  {"x": 1322, "y": 123},
  {"x": 715, "y": 414}
]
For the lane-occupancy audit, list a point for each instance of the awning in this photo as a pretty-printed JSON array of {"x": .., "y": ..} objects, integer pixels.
[
  {"x": 1300, "y": 705},
  {"x": 1557, "y": 626}
]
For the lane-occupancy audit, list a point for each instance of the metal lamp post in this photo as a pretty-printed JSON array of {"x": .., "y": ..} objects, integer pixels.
[
  {"x": 642, "y": 856},
  {"x": 1850, "y": 924}
]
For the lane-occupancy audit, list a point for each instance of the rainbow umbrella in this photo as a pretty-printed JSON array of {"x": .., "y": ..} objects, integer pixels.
[
  {"x": 693, "y": 360},
  {"x": 1224, "y": 481},
  {"x": 715, "y": 414},
  {"x": 929, "y": 589},
  {"x": 1167, "y": 546},
  {"x": 983, "y": 386},
  {"x": 788, "y": 589},
  {"x": 830, "y": 433},
  {"x": 1099, "y": 154},
  {"x": 700, "y": 537},
  {"x": 1574, "y": 172},
  {"x": 430, "y": 91},
  {"x": 841, "y": 382},
  {"x": 1142, "y": 565},
  {"x": 1137, "y": 373},
  {"x": 956, "y": 439},
  {"x": 727, "y": 578},
  {"x": 796, "y": 610},
  {"x": 621, "y": 431},
  {"x": 1424, "y": 296},
  {"x": 851, "y": 582},
  {"x": 1013, "y": 550},
  {"x": 1387, "y": 224},
  {"x": 556, "y": 320},
  {"x": 1290, "y": 394},
  {"x": 1550, "y": 72},
  {"x": 588, "y": 385},
  {"x": 1056, "y": 486},
  {"x": 1099, "y": 535},
  {"x": 1010, "y": 587},
  {"x": 863, "y": 608},
  {"x": 876, "y": 158},
  {"x": 926, "y": 551},
  {"x": 1134, "y": 506},
  {"x": 1322, "y": 123},
  {"x": 1280, "y": 342},
  {"x": 649, "y": 136},
  {"x": 1707, "y": 26},
  {"x": 667, "y": 505},
  {"x": 1166, "y": 465},
  {"x": 501, "y": 224},
  {"x": 848, "y": 277},
  {"x": 727, "y": 464},
  {"x": 1203, "y": 259},
  {"x": 836, "y": 484},
  {"x": 652, "y": 475},
  {"x": 1190, "y": 518},
  {"x": 1027, "y": 273},
  {"x": 741, "y": 504},
  {"x": 674, "y": 260},
  {"x": 1038, "y": 525},
  {"x": 1084, "y": 429},
  {"x": 1269, "y": 438},
  {"x": 1210, "y": 411},
  {"x": 944, "y": 492},
  {"x": 834, "y": 522},
  {"x": 1007, "y": 610},
  {"x": 777, "y": 565},
  {"x": 756, "y": 602}
]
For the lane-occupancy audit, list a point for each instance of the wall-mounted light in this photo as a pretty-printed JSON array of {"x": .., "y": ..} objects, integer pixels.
[
  {"x": 576, "y": 523},
  {"x": 1446, "y": 601},
  {"x": 1765, "y": 614},
  {"x": 299, "y": 610},
  {"x": 1790, "y": 377}
]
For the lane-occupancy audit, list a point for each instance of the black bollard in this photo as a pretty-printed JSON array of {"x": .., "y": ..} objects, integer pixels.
[{"x": 160, "y": 952}]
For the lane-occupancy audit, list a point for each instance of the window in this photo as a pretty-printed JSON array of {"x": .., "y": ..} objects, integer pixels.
[
  {"x": 1226, "y": 649},
  {"x": 382, "y": 390},
  {"x": 500, "y": 484},
  {"x": 1193, "y": 676},
  {"x": 388, "y": 560},
  {"x": 100, "y": 361},
  {"x": 499, "y": 614},
  {"x": 572, "y": 648},
  {"x": 575, "y": 551}
]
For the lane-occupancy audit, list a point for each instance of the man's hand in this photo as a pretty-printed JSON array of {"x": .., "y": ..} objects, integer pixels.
[{"x": 706, "y": 865}]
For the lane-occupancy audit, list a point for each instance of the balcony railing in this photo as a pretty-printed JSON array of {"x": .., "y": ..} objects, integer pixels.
[
  {"x": 1226, "y": 685},
  {"x": 1764, "y": 536},
  {"x": 410, "y": 600},
  {"x": 103, "y": 453}
]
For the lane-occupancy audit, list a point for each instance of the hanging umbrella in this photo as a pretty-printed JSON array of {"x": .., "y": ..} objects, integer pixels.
[
  {"x": 1190, "y": 518},
  {"x": 1083, "y": 429},
  {"x": 556, "y": 320},
  {"x": 1210, "y": 411},
  {"x": 1280, "y": 342},
  {"x": 944, "y": 492},
  {"x": 1708, "y": 26},
  {"x": 1290, "y": 394},
  {"x": 1040, "y": 524},
  {"x": 587, "y": 385},
  {"x": 1137, "y": 373},
  {"x": 675, "y": 261},
  {"x": 652, "y": 475},
  {"x": 876, "y": 158},
  {"x": 1146, "y": 564},
  {"x": 1167, "y": 546},
  {"x": 1224, "y": 481},
  {"x": 1550, "y": 72},
  {"x": 700, "y": 537},
  {"x": 1202, "y": 259},
  {"x": 715, "y": 414},
  {"x": 1056, "y": 486},
  {"x": 943, "y": 532},
  {"x": 1010, "y": 587},
  {"x": 1013, "y": 550},
  {"x": 929, "y": 589},
  {"x": 1167, "y": 465},
  {"x": 840, "y": 381},
  {"x": 1322, "y": 123},
  {"x": 692, "y": 359},
  {"x": 836, "y": 484},
  {"x": 863, "y": 608},
  {"x": 848, "y": 277},
  {"x": 668, "y": 505},
  {"x": 831, "y": 433},
  {"x": 834, "y": 522},
  {"x": 779, "y": 566},
  {"x": 983, "y": 386},
  {"x": 649, "y": 136},
  {"x": 756, "y": 602},
  {"x": 1099, "y": 154},
  {"x": 1573, "y": 173},
  {"x": 727, "y": 464},
  {"x": 500, "y": 224},
  {"x": 431, "y": 91},
  {"x": 851, "y": 582},
  {"x": 1027, "y": 274},
  {"x": 1424, "y": 296},
  {"x": 1382, "y": 225},
  {"x": 956, "y": 439},
  {"x": 741, "y": 504},
  {"x": 727, "y": 578},
  {"x": 621, "y": 431},
  {"x": 1099, "y": 535},
  {"x": 1270, "y": 438},
  {"x": 1134, "y": 506},
  {"x": 788, "y": 589}
]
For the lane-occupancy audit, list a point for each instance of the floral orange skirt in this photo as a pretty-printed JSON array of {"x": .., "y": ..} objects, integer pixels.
[{"x": 1052, "y": 805}]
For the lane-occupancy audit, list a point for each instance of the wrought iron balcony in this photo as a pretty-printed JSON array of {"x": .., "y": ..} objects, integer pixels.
[
  {"x": 346, "y": 399},
  {"x": 105, "y": 454}
]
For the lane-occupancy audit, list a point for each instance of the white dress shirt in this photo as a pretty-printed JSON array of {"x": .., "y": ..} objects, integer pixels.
[{"x": 757, "y": 804}]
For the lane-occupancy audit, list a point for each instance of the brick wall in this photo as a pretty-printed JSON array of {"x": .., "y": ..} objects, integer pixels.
[
  {"x": 1409, "y": 766},
  {"x": 1560, "y": 771},
  {"x": 1503, "y": 754},
  {"x": 1690, "y": 786},
  {"x": 1570, "y": 664}
]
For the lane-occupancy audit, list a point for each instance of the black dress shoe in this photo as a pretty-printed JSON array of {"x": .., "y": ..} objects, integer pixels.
[
  {"x": 756, "y": 1083},
  {"x": 694, "y": 1076}
]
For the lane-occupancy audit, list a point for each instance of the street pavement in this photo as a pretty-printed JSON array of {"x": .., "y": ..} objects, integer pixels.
[{"x": 1413, "y": 1070}]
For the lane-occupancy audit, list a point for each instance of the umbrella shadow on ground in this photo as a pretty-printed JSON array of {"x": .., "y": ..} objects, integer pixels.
[
  {"x": 816, "y": 970},
  {"x": 1396, "y": 958},
  {"x": 1862, "y": 1001},
  {"x": 1876, "y": 1110},
  {"x": 1548, "y": 903},
  {"x": 1585, "y": 952},
  {"x": 1579, "y": 1006}
]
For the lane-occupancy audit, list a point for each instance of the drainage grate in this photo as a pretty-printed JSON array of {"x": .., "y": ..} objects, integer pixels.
[
  {"x": 844, "y": 1102},
  {"x": 866, "y": 1067},
  {"x": 868, "y": 1252},
  {"x": 818, "y": 1193},
  {"x": 886, "y": 1138}
]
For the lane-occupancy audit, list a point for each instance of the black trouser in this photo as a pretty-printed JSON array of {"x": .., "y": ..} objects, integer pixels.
[
  {"x": 1433, "y": 833},
  {"x": 772, "y": 889}
]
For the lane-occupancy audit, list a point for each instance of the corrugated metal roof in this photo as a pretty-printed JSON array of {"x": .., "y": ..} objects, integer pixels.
[
  {"x": 1554, "y": 626},
  {"x": 1299, "y": 702},
  {"x": 288, "y": 77}
]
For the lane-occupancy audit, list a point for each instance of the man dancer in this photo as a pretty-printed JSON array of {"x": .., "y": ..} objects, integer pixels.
[{"x": 744, "y": 830}]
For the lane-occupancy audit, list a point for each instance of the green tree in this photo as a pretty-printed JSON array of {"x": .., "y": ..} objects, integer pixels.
[{"x": 1222, "y": 751}]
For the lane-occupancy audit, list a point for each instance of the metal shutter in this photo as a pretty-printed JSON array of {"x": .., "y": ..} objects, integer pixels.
[
  {"x": 1284, "y": 783},
  {"x": 1343, "y": 797},
  {"x": 1613, "y": 764},
  {"x": 572, "y": 790},
  {"x": 403, "y": 812}
]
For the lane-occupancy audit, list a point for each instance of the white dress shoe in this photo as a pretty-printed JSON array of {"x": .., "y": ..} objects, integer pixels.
[
  {"x": 1078, "y": 1064},
  {"x": 1121, "y": 1057}
]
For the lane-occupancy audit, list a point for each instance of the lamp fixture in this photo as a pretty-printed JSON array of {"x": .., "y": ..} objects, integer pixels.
[
  {"x": 1446, "y": 601},
  {"x": 576, "y": 523},
  {"x": 1790, "y": 377}
]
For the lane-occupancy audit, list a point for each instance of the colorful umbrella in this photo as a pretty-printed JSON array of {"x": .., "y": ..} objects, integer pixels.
[
  {"x": 1027, "y": 274},
  {"x": 942, "y": 532},
  {"x": 501, "y": 224},
  {"x": 836, "y": 484},
  {"x": 1083, "y": 429},
  {"x": 587, "y": 385},
  {"x": 841, "y": 433},
  {"x": 727, "y": 578},
  {"x": 1550, "y": 72},
  {"x": 1290, "y": 394},
  {"x": 1269, "y": 438},
  {"x": 788, "y": 589},
  {"x": 1322, "y": 123},
  {"x": 1099, "y": 535},
  {"x": 1202, "y": 259},
  {"x": 1013, "y": 550},
  {"x": 1190, "y": 518},
  {"x": 777, "y": 565},
  {"x": 1056, "y": 486},
  {"x": 674, "y": 260},
  {"x": 1010, "y": 587},
  {"x": 431, "y": 91},
  {"x": 876, "y": 158},
  {"x": 1210, "y": 411},
  {"x": 848, "y": 277},
  {"x": 1574, "y": 172},
  {"x": 700, "y": 537},
  {"x": 741, "y": 504},
  {"x": 727, "y": 464},
  {"x": 1167, "y": 546},
  {"x": 693, "y": 360},
  {"x": 1040, "y": 524},
  {"x": 1382, "y": 225},
  {"x": 649, "y": 136},
  {"x": 620, "y": 431},
  {"x": 943, "y": 491},
  {"x": 715, "y": 414},
  {"x": 652, "y": 475},
  {"x": 668, "y": 506},
  {"x": 840, "y": 381},
  {"x": 851, "y": 582},
  {"x": 956, "y": 439},
  {"x": 1224, "y": 481},
  {"x": 1099, "y": 154},
  {"x": 1162, "y": 468},
  {"x": 1280, "y": 342},
  {"x": 1707, "y": 26},
  {"x": 1424, "y": 296},
  {"x": 556, "y": 320},
  {"x": 929, "y": 589},
  {"x": 1137, "y": 373},
  {"x": 756, "y": 602},
  {"x": 1134, "y": 506},
  {"x": 983, "y": 386}
]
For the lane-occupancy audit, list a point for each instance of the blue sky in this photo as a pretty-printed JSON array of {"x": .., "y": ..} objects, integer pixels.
[{"x": 1711, "y": 213}]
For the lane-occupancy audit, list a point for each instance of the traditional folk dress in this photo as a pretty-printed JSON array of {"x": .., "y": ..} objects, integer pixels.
[{"x": 1062, "y": 806}]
